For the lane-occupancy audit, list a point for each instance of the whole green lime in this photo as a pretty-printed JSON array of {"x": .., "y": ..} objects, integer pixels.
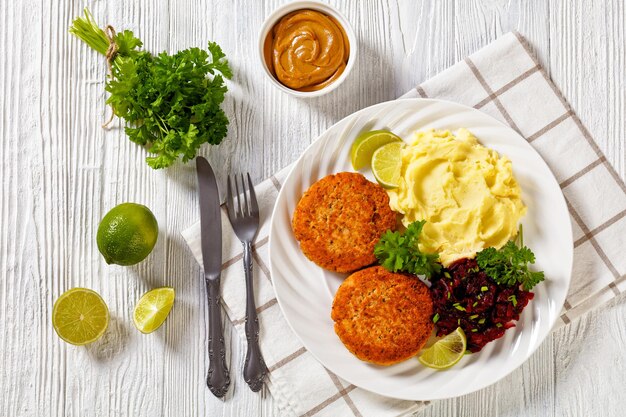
[{"x": 127, "y": 234}]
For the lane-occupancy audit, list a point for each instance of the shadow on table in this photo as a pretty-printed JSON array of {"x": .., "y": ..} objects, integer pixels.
[
  {"x": 184, "y": 174},
  {"x": 173, "y": 332},
  {"x": 112, "y": 343},
  {"x": 369, "y": 83},
  {"x": 183, "y": 275},
  {"x": 171, "y": 263}
]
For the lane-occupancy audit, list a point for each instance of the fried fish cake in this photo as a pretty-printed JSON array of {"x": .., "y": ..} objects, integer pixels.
[
  {"x": 339, "y": 219},
  {"x": 383, "y": 317}
]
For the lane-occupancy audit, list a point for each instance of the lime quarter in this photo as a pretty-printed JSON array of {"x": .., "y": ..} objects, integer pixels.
[
  {"x": 80, "y": 316},
  {"x": 153, "y": 308},
  {"x": 445, "y": 352}
]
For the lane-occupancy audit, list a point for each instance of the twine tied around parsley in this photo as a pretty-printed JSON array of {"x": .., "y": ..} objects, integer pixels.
[{"x": 110, "y": 55}]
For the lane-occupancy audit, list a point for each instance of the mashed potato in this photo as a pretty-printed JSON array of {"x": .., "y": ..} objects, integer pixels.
[{"x": 466, "y": 193}]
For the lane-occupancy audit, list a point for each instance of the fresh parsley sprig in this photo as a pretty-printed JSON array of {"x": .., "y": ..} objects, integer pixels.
[
  {"x": 509, "y": 265},
  {"x": 171, "y": 103},
  {"x": 399, "y": 251}
]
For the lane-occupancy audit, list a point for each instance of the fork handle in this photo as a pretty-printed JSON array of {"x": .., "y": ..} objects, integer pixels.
[
  {"x": 218, "y": 378},
  {"x": 254, "y": 369}
]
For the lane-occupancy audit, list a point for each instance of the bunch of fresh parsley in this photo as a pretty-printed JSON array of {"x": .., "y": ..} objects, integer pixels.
[
  {"x": 399, "y": 251},
  {"x": 509, "y": 264},
  {"x": 171, "y": 103}
]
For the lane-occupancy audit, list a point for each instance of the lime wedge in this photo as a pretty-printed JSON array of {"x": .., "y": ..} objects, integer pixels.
[
  {"x": 366, "y": 143},
  {"x": 445, "y": 352},
  {"x": 153, "y": 308},
  {"x": 387, "y": 164},
  {"x": 80, "y": 316}
]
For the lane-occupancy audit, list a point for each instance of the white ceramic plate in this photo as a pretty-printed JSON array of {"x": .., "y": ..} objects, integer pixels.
[{"x": 305, "y": 291}]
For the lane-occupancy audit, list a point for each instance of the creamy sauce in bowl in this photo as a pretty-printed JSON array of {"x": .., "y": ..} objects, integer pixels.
[{"x": 306, "y": 50}]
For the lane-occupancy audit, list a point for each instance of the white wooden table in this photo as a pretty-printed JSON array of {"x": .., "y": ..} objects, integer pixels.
[{"x": 60, "y": 173}]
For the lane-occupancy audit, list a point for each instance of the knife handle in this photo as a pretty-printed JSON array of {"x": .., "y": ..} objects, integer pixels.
[
  {"x": 254, "y": 369},
  {"x": 218, "y": 378}
]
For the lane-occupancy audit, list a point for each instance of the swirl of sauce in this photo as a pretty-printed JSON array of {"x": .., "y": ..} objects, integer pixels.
[{"x": 307, "y": 50}]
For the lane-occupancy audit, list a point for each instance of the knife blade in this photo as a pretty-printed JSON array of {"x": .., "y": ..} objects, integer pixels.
[
  {"x": 210, "y": 219},
  {"x": 218, "y": 378}
]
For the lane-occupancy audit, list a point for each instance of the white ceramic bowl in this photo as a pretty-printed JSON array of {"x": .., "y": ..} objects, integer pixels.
[{"x": 281, "y": 11}]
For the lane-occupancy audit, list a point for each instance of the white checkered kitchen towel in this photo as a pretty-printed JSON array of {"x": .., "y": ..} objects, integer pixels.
[{"x": 505, "y": 81}]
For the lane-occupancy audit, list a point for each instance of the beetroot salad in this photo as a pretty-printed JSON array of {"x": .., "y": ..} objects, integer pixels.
[{"x": 465, "y": 296}]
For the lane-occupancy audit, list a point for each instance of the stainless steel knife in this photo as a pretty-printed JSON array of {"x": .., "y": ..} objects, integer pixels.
[{"x": 218, "y": 378}]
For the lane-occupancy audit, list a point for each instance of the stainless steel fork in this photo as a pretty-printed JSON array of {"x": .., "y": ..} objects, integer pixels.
[{"x": 245, "y": 221}]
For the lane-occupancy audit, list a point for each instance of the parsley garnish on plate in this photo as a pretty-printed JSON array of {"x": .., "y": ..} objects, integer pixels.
[
  {"x": 171, "y": 103},
  {"x": 509, "y": 265},
  {"x": 399, "y": 251}
]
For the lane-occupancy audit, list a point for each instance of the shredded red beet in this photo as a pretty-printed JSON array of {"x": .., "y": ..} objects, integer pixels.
[{"x": 465, "y": 296}]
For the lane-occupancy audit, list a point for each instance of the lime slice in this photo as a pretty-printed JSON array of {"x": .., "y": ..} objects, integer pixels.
[
  {"x": 366, "y": 143},
  {"x": 445, "y": 352},
  {"x": 387, "y": 164},
  {"x": 80, "y": 316},
  {"x": 153, "y": 308}
]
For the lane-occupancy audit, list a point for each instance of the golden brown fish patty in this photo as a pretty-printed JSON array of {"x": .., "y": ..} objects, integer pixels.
[
  {"x": 383, "y": 317},
  {"x": 340, "y": 218}
]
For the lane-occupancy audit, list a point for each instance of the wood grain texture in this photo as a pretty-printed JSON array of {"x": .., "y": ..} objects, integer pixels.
[{"x": 60, "y": 173}]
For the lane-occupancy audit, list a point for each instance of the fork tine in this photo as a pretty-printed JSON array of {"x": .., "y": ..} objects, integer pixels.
[
  {"x": 229, "y": 200},
  {"x": 245, "y": 196},
  {"x": 253, "y": 204},
  {"x": 239, "y": 212}
]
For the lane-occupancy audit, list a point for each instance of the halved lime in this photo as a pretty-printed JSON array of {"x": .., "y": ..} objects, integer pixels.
[
  {"x": 80, "y": 316},
  {"x": 445, "y": 352},
  {"x": 153, "y": 308},
  {"x": 387, "y": 164},
  {"x": 366, "y": 143}
]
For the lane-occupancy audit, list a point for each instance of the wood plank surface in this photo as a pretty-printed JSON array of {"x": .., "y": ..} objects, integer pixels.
[{"x": 60, "y": 172}]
